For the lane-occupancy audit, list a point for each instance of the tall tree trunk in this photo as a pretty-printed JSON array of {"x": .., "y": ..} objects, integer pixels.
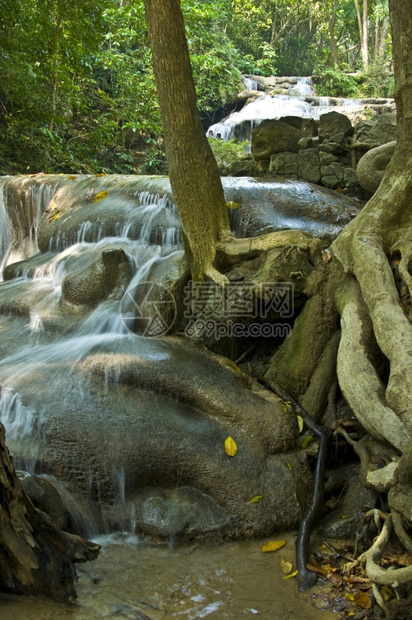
[
  {"x": 55, "y": 73},
  {"x": 363, "y": 32},
  {"x": 331, "y": 27},
  {"x": 194, "y": 175},
  {"x": 35, "y": 556}
]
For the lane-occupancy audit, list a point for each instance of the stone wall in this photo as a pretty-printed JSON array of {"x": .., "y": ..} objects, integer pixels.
[{"x": 324, "y": 151}]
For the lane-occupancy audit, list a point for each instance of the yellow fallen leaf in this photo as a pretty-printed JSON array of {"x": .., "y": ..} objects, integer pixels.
[
  {"x": 285, "y": 566},
  {"x": 100, "y": 196},
  {"x": 300, "y": 423},
  {"x": 232, "y": 365},
  {"x": 255, "y": 499},
  {"x": 387, "y": 593},
  {"x": 285, "y": 406},
  {"x": 273, "y": 545},
  {"x": 289, "y": 466},
  {"x": 295, "y": 572},
  {"x": 230, "y": 446},
  {"x": 233, "y": 205},
  {"x": 101, "y": 174},
  {"x": 306, "y": 442},
  {"x": 72, "y": 177},
  {"x": 362, "y": 600}
]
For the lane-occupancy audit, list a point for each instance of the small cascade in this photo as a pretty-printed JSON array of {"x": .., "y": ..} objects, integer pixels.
[
  {"x": 250, "y": 84},
  {"x": 6, "y": 233},
  {"x": 300, "y": 101},
  {"x": 25, "y": 204},
  {"x": 131, "y": 421}
]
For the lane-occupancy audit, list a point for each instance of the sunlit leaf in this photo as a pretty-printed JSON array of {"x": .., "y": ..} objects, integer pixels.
[
  {"x": 300, "y": 423},
  {"x": 306, "y": 442},
  {"x": 273, "y": 545},
  {"x": 233, "y": 205},
  {"x": 285, "y": 566},
  {"x": 285, "y": 408},
  {"x": 230, "y": 446},
  {"x": 255, "y": 499},
  {"x": 295, "y": 572},
  {"x": 100, "y": 196},
  {"x": 289, "y": 466}
]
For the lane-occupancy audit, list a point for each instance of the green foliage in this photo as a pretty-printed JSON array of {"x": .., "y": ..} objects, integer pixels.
[
  {"x": 229, "y": 154},
  {"x": 333, "y": 83},
  {"x": 378, "y": 81},
  {"x": 78, "y": 94}
]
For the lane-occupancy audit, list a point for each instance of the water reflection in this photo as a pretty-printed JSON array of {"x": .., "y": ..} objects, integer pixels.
[{"x": 137, "y": 579}]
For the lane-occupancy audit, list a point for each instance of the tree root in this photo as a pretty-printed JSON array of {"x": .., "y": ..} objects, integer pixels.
[
  {"x": 376, "y": 573},
  {"x": 359, "y": 382},
  {"x": 403, "y": 537}
]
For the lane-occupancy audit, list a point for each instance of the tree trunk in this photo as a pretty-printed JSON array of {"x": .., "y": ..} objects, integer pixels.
[
  {"x": 194, "y": 175},
  {"x": 363, "y": 32},
  {"x": 35, "y": 556},
  {"x": 331, "y": 27}
]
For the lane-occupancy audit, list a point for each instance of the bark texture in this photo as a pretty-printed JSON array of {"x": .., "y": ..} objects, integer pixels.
[
  {"x": 35, "y": 556},
  {"x": 194, "y": 175}
]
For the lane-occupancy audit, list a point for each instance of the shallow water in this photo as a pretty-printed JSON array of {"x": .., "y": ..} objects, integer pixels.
[{"x": 137, "y": 580}]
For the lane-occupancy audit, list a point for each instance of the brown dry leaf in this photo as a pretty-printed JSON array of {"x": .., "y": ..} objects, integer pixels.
[
  {"x": 273, "y": 545},
  {"x": 230, "y": 446},
  {"x": 326, "y": 255},
  {"x": 336, "y": 579},
  {"x": 316, "y": 569},
  {"x": 362, "y": 600}
]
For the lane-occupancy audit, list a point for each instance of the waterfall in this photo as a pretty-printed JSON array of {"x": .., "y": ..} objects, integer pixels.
[
  {"x": 130, "y": 421},
  {"x": 300, "y": 101},
  {"x": 6, "y": 233}
]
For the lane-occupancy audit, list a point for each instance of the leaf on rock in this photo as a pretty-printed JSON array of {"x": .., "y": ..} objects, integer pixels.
[
  {"x": 273, "y": 545},
  {"x": 306, "y": 442},
  {"x": 286, "y": 406},
  {"x": 100, "y": 196},
  {"x": 326, "y": 255},
  {"x": 300, "y": 423},
  {"x": 255, "y": 499},
  {"x": 233, "y": 205},
  {"x": 230, "y": 446}
]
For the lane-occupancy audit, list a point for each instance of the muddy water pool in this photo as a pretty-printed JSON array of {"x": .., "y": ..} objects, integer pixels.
[{"x": 139, "y": 580}]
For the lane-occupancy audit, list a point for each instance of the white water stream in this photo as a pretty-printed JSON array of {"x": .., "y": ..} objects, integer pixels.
[{"x": 132, "y": 576}]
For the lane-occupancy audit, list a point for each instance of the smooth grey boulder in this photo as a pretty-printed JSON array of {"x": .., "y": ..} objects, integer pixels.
[{"x": 372, "y": 166}]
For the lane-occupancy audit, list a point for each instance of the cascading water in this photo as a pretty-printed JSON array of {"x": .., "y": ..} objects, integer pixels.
[
  {"x": 300, "y": 101},
  {"x": 130, "y": 430}
]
